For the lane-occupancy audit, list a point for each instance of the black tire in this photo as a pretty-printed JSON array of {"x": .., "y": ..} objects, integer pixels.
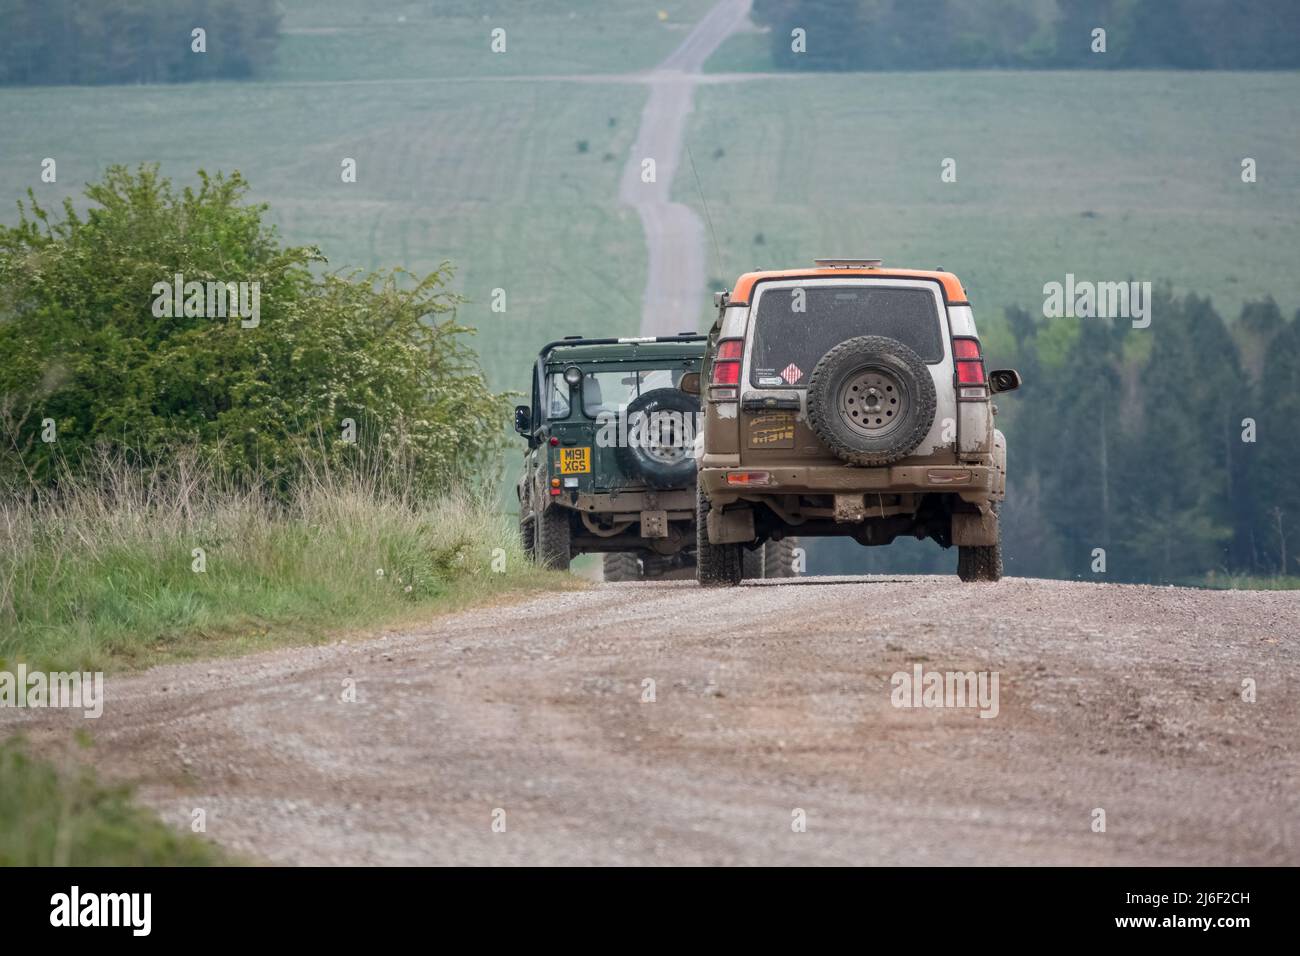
[
  {"x": 670, "y": 462},
  {"x": 981, "y": 562},
  {"x": 553, "y": 548},
  {"x": 775, "y": 559},
  {"x": 778, "y": 558},
  {"x": 622, "y": 566},
  {"x": 716, "y": 565},
  {"x": 656, "y": 566},
  {"x": 859, "y": 440},
  {"x": 528, "y": 537}
]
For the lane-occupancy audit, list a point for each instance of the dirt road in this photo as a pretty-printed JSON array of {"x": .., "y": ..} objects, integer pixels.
[
  {"x": 768, "y": 699},
  {"x": 675, "y": 294}
]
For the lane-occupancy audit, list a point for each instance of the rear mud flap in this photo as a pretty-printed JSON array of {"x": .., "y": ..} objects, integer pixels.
[
  {"x": 980, "y": 528},
  {"x": 731, "y": 527}
]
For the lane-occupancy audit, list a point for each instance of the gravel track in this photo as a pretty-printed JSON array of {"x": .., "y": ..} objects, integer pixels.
[{"x": 770, "y": 697}]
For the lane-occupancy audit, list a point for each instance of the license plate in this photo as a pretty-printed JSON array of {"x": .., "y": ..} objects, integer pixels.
[{"x": 575, "y": 461}]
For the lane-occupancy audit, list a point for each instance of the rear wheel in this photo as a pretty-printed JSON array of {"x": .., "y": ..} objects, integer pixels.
[
  {"x": 981, "y": 562},
  {"x": 527, "y": 536},
  {"x": 775, "y": 559},
  {"x": 716, "y": 565},
  {"x": 553, "y": 539},
  {"x": 659, "y": 566},
  {"x": 778, "y": 558},
  {"x": 527, "y": 533},
  {"x": 622, "y": 566}
]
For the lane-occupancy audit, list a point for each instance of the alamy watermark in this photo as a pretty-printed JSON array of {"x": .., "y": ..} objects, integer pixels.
[
  {"x": 1100, "y": 300},
  {"x": 208, "y": 300},
  {"x": 936, "y": 689},
  {"x": 130, "y": 910},
  {"x": 59, "y": 689},
  {"x": 654, "y": 431}
]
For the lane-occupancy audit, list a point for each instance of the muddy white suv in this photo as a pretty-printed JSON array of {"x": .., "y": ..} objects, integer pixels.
[{"x": 848, "y": 399}]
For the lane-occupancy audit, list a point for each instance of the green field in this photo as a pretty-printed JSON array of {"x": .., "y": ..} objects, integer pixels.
[
  {"x": 486, "y": 174},
  {"x": 1107, "y": 176},
  {"x": 513, "y": 181},
  {"x": 338, "y": 39}
]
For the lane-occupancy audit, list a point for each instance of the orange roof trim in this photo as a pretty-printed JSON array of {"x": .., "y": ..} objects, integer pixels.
[{"x": 953, "y": 292}]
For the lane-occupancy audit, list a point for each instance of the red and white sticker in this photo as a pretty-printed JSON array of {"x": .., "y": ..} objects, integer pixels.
[{"x": 791, "y": 373}]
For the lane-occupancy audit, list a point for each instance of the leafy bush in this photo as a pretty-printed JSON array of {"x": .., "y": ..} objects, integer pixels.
[{"x": 85, "y": 359}]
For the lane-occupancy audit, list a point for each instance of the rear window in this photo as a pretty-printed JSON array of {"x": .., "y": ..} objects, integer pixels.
[
  {"x": 610, "y": 392},
  {"x": 788, "y": 343}
]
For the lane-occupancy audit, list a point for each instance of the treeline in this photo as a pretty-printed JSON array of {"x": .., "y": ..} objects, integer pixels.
[
  {"x": 1034, "y": 34},
  {"x": 55, "y": 42},
  {"x": 1172, "y": 448},
  {"x": 1163, "y": 455}
]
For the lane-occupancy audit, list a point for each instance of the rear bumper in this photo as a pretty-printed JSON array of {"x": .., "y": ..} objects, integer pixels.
[
  {"x": 971, "y": 482},
  {"x": 628, "y": 505}
]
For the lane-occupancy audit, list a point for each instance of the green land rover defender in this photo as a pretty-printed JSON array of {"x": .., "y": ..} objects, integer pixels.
[{"x": 610, "y": 466}]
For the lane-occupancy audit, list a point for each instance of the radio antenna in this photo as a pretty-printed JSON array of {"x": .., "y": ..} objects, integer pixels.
[{"x": 717, "y": 251}]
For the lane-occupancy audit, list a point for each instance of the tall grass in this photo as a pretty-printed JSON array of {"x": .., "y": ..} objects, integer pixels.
[{"x": 120, "y": 566}]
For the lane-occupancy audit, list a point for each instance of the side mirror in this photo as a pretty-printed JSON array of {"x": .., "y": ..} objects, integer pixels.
[
  {"x": 1004, "y": 380},
  {"x": 690, "y": 383},
  {"x": 524, "y": 420}
]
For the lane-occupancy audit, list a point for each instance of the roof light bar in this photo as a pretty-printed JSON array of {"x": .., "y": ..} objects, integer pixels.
[{"x": 849, "y": 263}]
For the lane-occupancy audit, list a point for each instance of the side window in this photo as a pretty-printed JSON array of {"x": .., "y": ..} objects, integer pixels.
[
  {"x": 660, "y": 378},
  {"x": 557, "y": 396}
]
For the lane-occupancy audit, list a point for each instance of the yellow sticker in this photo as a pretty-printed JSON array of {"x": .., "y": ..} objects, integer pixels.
[{"x": 771, "y": 430}]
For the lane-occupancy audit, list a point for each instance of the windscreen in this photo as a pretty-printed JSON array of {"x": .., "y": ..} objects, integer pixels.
[{"x": 794, "y": 328}]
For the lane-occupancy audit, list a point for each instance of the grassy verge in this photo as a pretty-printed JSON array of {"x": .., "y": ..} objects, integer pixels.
[
  {"x": 63, "y": 816},
  {"x": 124, "y": 569}
]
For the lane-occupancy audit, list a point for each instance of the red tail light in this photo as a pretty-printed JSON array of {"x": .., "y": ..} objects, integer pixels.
[
  {"x": 726, "y": 364},
  {"x": 726, "y": 373},
  {"x": 970, "y": 363}
]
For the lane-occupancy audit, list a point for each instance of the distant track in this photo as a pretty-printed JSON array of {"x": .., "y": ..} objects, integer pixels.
[{"x": 675, "y": 291}]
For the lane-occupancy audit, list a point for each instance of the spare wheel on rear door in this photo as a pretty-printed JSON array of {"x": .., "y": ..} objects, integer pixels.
[
  {"x": 871, "y": 400},
  {"x": 660, "y": 444}
]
